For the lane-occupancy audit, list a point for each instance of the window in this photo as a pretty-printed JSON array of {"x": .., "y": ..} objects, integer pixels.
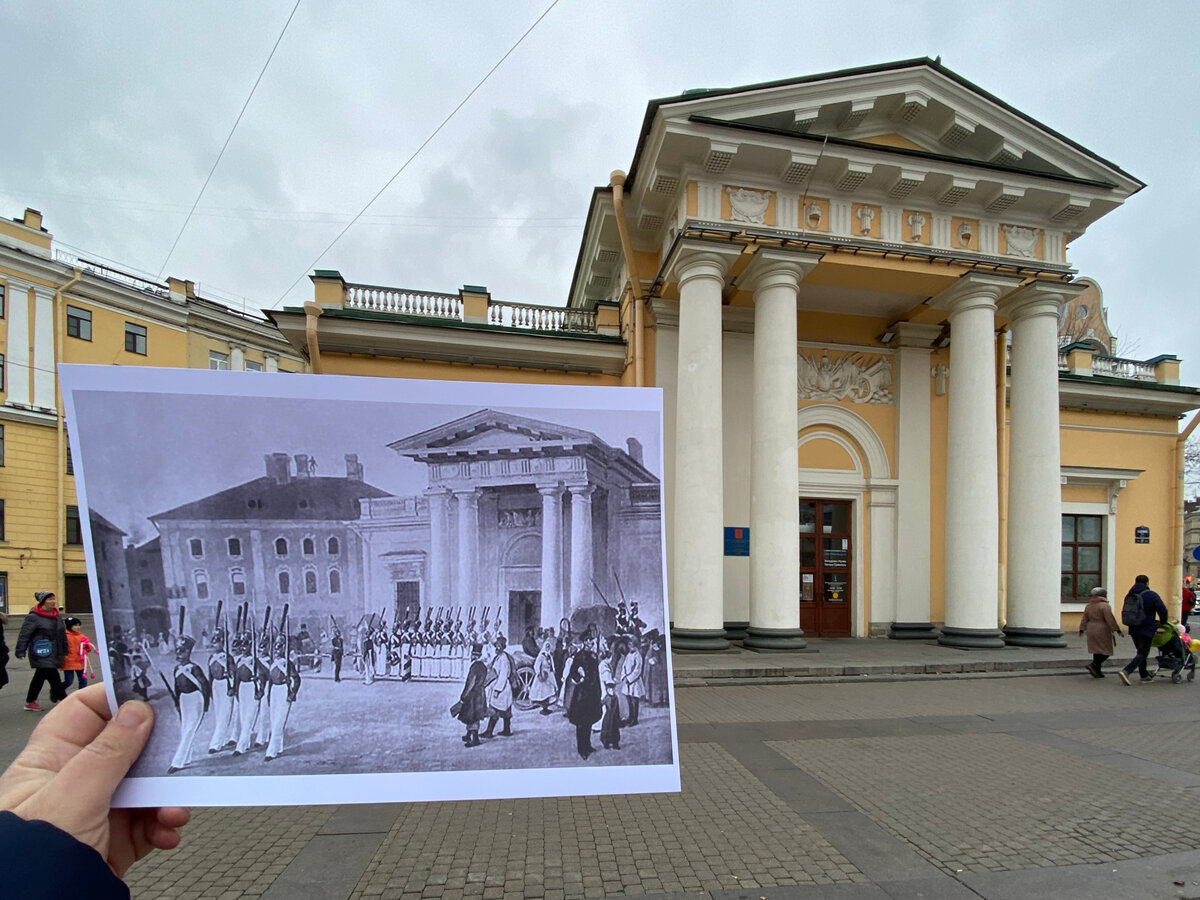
[
  {"x": 237, "y": 580},
  {"x": 74, "y": 532},
  {"x": 219, "y": 361},
  {"x": 70, "y": 464},
  {"x": 201, "y": 579},
  {"x": 2, "y": 379},
  {"x": 334, "y": 548},
  {"x": 3, "y": 592},
  {"x": 335, "y": 581},
  {"x": 310, "y": 582},
  {"x": 147, "y": 587},
  {"x": 234, "y": 546},
  {"x": 1, "y": 520},
  {"x": 285, "y": 582},
  {"x": 1082, "y": 556},
  {"x": 252, "y": 366},
  {"x": 135, "y": 338},
  {"x": 281, "y": 547},
  {"x": 196, "y": 548},
  {"x": 308, "y": 547},
  {"x": 1, "y": 445},
  {"x": 79, "y": 323},
  {"x": 2, "y": 303}
]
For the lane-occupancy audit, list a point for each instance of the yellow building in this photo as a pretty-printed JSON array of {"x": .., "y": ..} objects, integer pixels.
[
  {"x": 57, "y": 308},
  {"x": 877, "y": 361}
]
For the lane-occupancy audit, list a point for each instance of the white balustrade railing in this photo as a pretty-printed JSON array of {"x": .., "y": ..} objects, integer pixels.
[
  {"x": 1116, "y": 367},
  {"x": 402, "y": 302},
  {"x": 541, "y": 318}
]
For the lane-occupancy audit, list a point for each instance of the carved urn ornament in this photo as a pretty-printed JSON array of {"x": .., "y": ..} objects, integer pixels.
[
  {"x": 865, "y": 216},
  {"x": 916, "y": 224}
]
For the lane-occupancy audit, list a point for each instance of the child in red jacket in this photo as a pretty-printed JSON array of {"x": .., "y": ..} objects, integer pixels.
[{"x": 78, "y": 646}]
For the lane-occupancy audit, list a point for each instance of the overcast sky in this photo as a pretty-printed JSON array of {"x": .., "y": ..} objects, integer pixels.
[{"x": 115, "y": 112}]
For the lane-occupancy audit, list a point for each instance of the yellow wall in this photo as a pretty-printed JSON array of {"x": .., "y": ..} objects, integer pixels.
[
  {"x": 165, "y": 345},
  {"x": 822, "y": 453},
  {"x": 388, "y": 367}
]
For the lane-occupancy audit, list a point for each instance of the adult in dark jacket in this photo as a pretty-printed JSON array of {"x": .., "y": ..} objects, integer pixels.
[
  {"x": 44, "y": 638},
  {"x": 584, "y": 709},
  {"x": 51, "y": 847},
  {"x": 472, "y": 702},
  {"x": 3, "y": 652},
  {"x": 1154, "y": 611}
]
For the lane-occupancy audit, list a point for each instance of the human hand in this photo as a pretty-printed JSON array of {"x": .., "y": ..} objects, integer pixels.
[{"x": 68, "y": 771}]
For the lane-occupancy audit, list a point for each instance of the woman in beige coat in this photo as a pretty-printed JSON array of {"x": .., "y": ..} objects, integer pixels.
[{"x": 1100, "y": 624}]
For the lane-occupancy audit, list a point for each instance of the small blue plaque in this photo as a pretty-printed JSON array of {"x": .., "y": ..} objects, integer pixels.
[{"x": 737, "y": 541}]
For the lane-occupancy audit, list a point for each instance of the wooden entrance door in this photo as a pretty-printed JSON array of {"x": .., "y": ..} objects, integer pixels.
[{"x": 826, "y": 556}]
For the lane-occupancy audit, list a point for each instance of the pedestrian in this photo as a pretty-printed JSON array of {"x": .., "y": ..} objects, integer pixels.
[
  {"x": 1099, "y": 623},
  {"x": 1138, "y": 612},
  {"x": 500, "y": 689},
  {"x": 1189, "y": 600},
  {"x": 584, "y": 709},
  {"x": 3, "y": 652},
  {"x": 45, "y": 640},
  {"x": 77, "y": 644},
  {"x": 472, "y": 702},
  {"x": 544, "y": 688},
  {"x": 610, "y": 720},
  {"x": 338, "y": 645},
  {"x": 630, "y": 678}
]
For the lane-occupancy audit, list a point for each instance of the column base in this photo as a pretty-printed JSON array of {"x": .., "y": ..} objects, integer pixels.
[
  {"x": 735, "y": 631},
  {"x": 1034, "y": 637},
  {"x": 912, "y": 631},
  {"x": 972, "y": 638},
  {"x": 699, "y": 640},
  {"x": 774, "y": 639}
]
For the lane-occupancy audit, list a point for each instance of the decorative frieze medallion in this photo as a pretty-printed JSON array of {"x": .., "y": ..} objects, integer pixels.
[{"x": 748, "y": 206}]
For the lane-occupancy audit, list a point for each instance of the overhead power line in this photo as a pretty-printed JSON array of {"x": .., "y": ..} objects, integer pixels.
[
  {"x": 471, "y": 93},
  {"x": 228, "y": 138}
]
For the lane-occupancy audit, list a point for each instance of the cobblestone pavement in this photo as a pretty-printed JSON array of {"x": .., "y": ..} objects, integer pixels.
[{"x": 1001, "y": 787}]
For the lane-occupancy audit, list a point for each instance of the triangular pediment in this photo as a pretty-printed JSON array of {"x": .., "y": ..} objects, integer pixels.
[{"x": 490, "y": 430}]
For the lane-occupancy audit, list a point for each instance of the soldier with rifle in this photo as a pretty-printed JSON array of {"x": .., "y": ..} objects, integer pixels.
[
  {"x": 192, "y": 694},
  {"x": 338, "y": 645},
  {"x": 242, "y": 679},
  {"x": 284, "y": 684},
  {"x": 220, "y": 676},
  {"x": 366, "y": 651},
  {"x": 262, "y": 660}
]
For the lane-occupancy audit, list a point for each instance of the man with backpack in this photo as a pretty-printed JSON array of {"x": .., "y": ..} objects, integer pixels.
[{"x": 1139, "y": 612}]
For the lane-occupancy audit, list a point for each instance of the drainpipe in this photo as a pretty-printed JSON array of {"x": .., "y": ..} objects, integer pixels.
[
  {"x": 1002, "y": 460},
  {"x": 60, "y": 477},
  {"x": 617, "y": 182},
  {"x": 311, "y": 313},
  {"x": 1175, "y": 602}
]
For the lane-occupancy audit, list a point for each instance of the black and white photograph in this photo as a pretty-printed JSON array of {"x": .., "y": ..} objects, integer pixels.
[{"x": 338, "y": 589}]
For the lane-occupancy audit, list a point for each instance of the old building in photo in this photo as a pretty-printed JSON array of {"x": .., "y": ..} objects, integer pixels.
[{"x": 881, "y": 373}]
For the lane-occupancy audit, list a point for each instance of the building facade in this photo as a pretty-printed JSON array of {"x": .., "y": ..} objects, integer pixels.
[
  {"x": 56, "y": 307},
  {"x": 854, "y": 291}
]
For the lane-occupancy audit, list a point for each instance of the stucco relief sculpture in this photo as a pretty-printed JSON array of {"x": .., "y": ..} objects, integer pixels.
[
  {"x": 1021, "y": 241},
  {"x": 965, "y": 234},
  {"x": 812, "y": 215},
  {"x": 748, "y": 206},
  {"x": 866, "y": 215},
  {"x": 916, "y": 224},
  {"x": 855, "y": 377}
]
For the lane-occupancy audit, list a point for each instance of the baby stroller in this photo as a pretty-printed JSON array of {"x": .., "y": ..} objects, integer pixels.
[{"x": 1174, "y": 653}]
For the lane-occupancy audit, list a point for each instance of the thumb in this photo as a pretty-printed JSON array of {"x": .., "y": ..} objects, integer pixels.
[{"x": 93, "y": 775}]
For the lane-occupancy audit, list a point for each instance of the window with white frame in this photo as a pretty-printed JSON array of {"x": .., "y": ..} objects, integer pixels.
[{"x": 218, "y": 361}]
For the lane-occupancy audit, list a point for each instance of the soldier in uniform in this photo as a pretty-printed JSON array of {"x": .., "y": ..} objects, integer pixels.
[
  {"x": 284, "y": 684},
  {"x": 262, "y": 662},
  {"x": 338, "y": 645},
  {"x": 366, "y": 653},
  {"x": 243, "y": 682},
  {"x": 220, "y": 676},
  {"x": 192, "y": 694}
]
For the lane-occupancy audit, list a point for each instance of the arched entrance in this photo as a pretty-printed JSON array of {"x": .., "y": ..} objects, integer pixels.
[{"x": 521, "y": 586}]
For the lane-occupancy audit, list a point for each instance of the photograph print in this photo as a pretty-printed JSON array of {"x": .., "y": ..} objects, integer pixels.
[{"x": 344, "y": 589}]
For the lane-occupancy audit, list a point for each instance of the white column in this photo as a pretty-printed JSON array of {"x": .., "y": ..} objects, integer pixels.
[
  {"x": 272, "y": 363},
  {"x": 911, "y": 619},
  {"x": 774, "y": 486},
  {"x": 972, "y": 496},
  {"x": 439, "y": 547},
  {"x": 237, "y": 359},
  {"x": 466, "y": 590},
  {"x": 582, "y": 591},
  {"x": 697, "y": 605},
  {"x": 43, "y": 372},
  {"x": 17, "y": 363},
  {"x": 881, "y": 502},
  {"x": 552, "y": 555},
  {"x": 1034, "y": 489}
]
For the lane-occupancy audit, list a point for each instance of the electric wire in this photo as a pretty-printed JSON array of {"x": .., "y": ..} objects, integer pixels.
[
  {"x": 416, "y": 152},
  {"x": 228, "y": 138}
]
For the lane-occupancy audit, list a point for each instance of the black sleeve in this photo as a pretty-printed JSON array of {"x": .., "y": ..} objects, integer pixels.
[
  {"x": 26, "y": 633},
  {"x": 41, "y": 862}
]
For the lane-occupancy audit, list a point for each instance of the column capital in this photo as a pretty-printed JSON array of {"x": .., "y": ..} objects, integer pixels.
[
  {"x": 975, "y": 290},
  {"x": 470, "y": 496},
  {"x": 916, "y": 335},
  {"x": 550, "y": 490},
  {"x": 581, "y": 490},
  {"x": 1040, "y": 298},
  {"x": 691, "y": 259},
  {"x": 770, "y": 267},
  {"x": 437, "y": 490}
]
